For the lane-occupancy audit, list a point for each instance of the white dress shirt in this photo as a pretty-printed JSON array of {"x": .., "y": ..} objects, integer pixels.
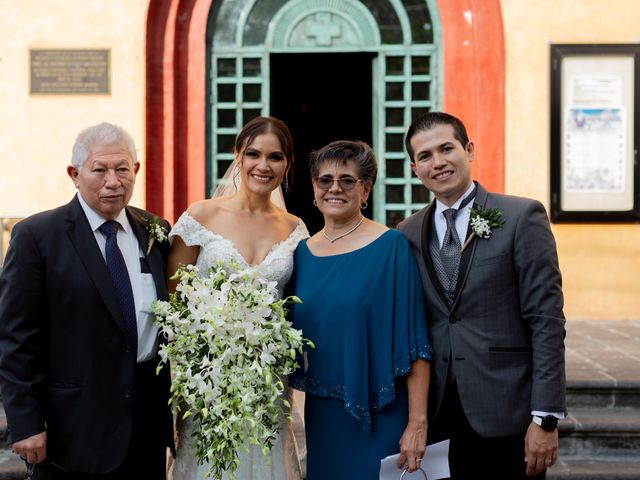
[
  {"x": 462, "y": 220},
  {"x": 142, "y": 284}
]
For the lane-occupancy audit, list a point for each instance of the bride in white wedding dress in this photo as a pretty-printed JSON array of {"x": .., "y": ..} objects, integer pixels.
[{"x": 246, "y": 227}]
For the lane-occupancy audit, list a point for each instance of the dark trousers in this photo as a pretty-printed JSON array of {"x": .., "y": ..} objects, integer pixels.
[
  {"x": 472, "y": 456},
  {"x": 147, "y": 454}
]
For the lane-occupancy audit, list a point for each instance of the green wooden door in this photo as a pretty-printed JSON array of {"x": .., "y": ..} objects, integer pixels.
[{"x": 401, "y": 34}]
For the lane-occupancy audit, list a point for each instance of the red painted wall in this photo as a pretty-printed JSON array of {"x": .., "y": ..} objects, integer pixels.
[
  {"x": 474, "y": 76},
  {"x": 176, "y": 103}
]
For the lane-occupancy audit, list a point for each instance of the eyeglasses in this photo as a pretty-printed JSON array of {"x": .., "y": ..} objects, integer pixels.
[{"x": 345, "y": 183}]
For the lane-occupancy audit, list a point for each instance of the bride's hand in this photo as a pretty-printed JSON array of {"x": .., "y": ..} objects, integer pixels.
[{"x": 412, "y": 445}]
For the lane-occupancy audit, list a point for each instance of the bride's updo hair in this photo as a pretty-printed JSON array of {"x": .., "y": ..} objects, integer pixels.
[{"x": 261, "y": 125}]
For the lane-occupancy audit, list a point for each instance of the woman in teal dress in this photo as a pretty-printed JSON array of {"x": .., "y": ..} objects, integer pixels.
[{"x": 366, "y": 380}]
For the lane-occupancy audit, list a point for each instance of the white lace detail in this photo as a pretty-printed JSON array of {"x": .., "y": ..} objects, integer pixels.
[{"x": 276, "y": 266}]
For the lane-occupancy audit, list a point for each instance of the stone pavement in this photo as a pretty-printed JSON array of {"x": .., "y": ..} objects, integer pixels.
[{"x": 607, "y": 350}]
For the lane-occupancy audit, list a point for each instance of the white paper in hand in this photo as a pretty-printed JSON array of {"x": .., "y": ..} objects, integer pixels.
[{"x": 435, "y": 464}]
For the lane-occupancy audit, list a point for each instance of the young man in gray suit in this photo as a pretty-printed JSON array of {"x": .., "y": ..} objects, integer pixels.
[{"x": 495, "y": 312}]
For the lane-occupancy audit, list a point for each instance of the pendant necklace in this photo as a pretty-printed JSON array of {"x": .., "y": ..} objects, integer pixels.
[{"x": 331, "y": 240}]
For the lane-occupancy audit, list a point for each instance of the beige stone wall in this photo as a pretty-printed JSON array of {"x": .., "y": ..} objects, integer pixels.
[
  {"x": 37, "y": 131},
  {"x": 600, "y": 263}
]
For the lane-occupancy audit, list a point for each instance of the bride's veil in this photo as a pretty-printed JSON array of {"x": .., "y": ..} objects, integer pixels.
[{"x": 230, "y": 182}]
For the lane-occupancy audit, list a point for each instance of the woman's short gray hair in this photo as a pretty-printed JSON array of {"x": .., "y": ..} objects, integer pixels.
[
  {"x": 344, "y": 151},
  {"x": 101, "y": 134}
]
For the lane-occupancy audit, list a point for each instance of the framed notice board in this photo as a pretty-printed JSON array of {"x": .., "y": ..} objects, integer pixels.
[{"x": 594, "y": 133}]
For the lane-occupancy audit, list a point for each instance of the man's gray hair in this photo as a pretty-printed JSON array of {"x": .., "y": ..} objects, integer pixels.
[{"x": 101, "y": 134}]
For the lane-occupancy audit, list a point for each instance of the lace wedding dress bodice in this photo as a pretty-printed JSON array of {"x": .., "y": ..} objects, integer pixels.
[{"x": 276, "y": 266}]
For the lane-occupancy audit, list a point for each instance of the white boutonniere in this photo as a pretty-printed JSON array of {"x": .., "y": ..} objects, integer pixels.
[
  {"x": 156, "y": 232},
  {"x": 482, "y": 221}
]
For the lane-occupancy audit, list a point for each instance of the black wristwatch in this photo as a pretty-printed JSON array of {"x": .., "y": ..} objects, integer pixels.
[{"x": 548, "y": 423}]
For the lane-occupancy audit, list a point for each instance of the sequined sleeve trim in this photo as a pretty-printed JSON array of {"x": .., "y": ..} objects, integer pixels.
[
  {"x": 403, "y": 366},
  {"x": 361, "y": 413},
  {"x": 322, "y": 389}
]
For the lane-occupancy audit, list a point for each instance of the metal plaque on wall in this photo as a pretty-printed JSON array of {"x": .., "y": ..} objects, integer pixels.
[{"x": 70, "y": 71}]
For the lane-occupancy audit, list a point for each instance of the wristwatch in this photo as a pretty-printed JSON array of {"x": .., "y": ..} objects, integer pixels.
[{"x": 548, "y": 423}]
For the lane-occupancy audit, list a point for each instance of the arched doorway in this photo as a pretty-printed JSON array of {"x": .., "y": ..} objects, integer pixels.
[
  {"x": 468, "y": 55},
  {"x": 334, "y": 103},
  {"x": 331, "y": 70}
]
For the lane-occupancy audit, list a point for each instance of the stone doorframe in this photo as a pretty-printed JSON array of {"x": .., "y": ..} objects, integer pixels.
[{"x": 474, "y": 86}]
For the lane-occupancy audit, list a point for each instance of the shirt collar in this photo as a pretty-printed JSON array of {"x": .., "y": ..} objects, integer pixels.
[
  {"x": 96, "y": 220},
  {"x": 441, "y": 207}
]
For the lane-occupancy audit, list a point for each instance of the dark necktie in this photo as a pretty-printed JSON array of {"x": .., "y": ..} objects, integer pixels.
[
  {"x": 451, "y": 246},
  {"x": 450, "y": 251},
  {"x": 120, "y": 275}
]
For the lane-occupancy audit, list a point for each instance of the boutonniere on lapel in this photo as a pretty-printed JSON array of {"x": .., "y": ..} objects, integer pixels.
[
  {"x": 482, "y": 221},
  {"x": 156, "y": 232}
]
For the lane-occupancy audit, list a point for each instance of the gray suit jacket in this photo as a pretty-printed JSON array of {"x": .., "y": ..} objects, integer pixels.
[{"x": 504, "y": 333}]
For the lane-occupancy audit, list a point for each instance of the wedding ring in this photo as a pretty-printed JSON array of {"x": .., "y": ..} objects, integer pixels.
[{"x": 418, "y": 461}]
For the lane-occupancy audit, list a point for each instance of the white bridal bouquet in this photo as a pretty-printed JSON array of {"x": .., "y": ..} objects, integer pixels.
[{"x": 229, "y": 344}]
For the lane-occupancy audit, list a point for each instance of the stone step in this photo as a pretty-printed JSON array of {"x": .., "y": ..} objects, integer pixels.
[
  {"x": 11, "y": 466},
  {"x": 596, "y": 468},
  {"x": 607, "y": 431},
  {"x": 603, "y": 393}
]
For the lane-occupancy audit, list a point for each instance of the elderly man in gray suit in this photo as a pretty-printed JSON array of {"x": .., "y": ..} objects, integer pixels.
[{"x": 490, "y": 272}]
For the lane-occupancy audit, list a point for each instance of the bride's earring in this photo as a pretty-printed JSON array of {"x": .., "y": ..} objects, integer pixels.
[
  {"x": 286, "y": 182},
  {"x": 315, "y": 202}
]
